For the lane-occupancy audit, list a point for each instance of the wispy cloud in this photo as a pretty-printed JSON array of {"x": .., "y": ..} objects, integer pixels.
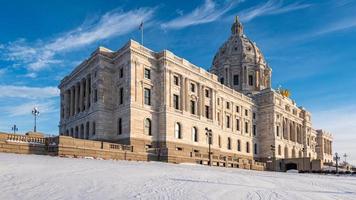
[
  {"x": 272, "y": 7},
  {"x": 45, "y": 107},
  {"x": 41, "y": 54},
  {"x": 209, "y": 11},
  {"x": 339, "y": 25},
  {"x": 28, "y": 92},
  {"x": 2, "y": 72}
]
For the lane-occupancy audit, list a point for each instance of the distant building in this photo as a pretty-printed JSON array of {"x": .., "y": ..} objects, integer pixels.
[{"x": 158, "y": 100}]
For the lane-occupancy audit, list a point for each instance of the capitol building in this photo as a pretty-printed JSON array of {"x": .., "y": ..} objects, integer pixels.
[{"x": 158, "y": 101}]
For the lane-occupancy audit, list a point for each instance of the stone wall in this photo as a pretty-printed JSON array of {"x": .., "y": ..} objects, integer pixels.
[{"x": 22, "y": 144}]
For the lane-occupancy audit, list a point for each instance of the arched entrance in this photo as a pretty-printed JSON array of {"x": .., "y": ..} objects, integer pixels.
[{"x": 290, "y": 166}]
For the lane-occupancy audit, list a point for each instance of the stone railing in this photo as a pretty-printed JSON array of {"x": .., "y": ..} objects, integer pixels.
[
  {"x": 25, "y": 139},
  {"x": 121, "y": 147}
]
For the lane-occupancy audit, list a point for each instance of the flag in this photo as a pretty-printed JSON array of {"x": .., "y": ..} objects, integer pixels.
[{"x": 141, "y": 26}]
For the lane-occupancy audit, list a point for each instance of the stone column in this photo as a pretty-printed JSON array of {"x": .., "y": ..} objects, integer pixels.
[
  {"x": 76, "y": 96},
  {"x": 71, "y": 101},
  {"x": 257, "y": 83},
  {"x": 87, "y": 93},
  {"x": 186, "y": 96},
  {"x": 182, "y": 93},
  {"x": 202, "y": 101},
  {"x": 212, "y": 105},
  {"x": 66, "y": 100},
  {"x": 199, "y": 99},
  {"x": 81, "y": 99}
]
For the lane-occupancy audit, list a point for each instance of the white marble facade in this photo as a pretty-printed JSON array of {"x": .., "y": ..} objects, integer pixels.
[{"x": 135, "y": 94}]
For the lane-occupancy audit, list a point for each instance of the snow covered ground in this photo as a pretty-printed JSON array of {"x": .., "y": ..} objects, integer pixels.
[{"x": 44, "y": 177}]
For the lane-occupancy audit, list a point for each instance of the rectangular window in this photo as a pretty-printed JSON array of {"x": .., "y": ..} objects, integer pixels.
[
  {"x": 227, "y": 121},
  {"x": 227, "y": 105},
  {"x": 222, "y": 80},
  {"x": 176, "y": 80},
  {"x": 254, "y": 130},
  {"x": 147, "y": 73},
  {"x": 219, "y": 141},
  {"x": 236, "y": 79},
  {"x": 207, "y": 112},
  {"x": 95, "y": 95},
  {"x": 147, "y": 96},
  {"x": 121, "y": 73},
  {"x": 237, "y": 109},
  {"x": 192, "y": 87},
  {"x": 229, "y": 143},
  {"x": 246, "y": 112},
  {"x": 277, "y": 130},
  {"x": 176, "y": 101},
  {"x": 207, "y": 93},
  {"x": 254, "y": 115},
  {"x": 237, "y": 124},
  {"x": 121, "y": 96},
  {"x": 192, "y": 107},
  {"x": 119, "y": 126},
  {"x": 246, "y": 127},
  {"x": 250, "y": 80}
]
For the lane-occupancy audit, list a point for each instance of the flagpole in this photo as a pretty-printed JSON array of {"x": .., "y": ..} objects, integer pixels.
[{"x": 142, "y": 33}]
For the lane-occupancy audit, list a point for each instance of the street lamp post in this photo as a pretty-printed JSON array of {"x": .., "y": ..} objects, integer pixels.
[
  {"x": 14, "y": 128},
  {"x": 345, "y": 156},
  {"x": 209, "y": 133},
  {"x": 303, "y": 159},
  {"x": 273, "y": 150},
  {"x": 337, "y": 158},
  {"x": 35, "y": 113}
]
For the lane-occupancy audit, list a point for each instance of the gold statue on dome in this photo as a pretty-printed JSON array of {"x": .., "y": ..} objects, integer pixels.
[{"x": 284, "y": 92}]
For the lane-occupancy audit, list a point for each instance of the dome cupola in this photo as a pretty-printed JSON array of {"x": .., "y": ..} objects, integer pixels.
[{"x": 240, "y": 64}]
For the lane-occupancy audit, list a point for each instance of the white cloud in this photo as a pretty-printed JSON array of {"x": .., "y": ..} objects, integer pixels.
[
  {"x": 208, "y": 12},
  {"x": 343, "y": 24},
  {"x": 26, "y": 108},
  {"x": 2, "y": 72},
  {"x": 272, "y": 7},
  {"x": 341, "y": 122},
  {"x": 28, "y": 92},
  {"x": 31, "y": 75},
  {"x": 41, "y": 54}
]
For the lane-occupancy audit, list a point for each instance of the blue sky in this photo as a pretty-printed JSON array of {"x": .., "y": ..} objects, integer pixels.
[{"x": 310, "y": 46}]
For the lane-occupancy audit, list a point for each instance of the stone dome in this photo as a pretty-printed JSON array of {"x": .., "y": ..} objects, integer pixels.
[{"x": 240, "y": 64}]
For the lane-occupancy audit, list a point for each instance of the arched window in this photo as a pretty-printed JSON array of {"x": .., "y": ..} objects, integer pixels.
[
  {"x": 228, "y": 143},
  {"x": 148, "y": 126},
  {"x": 238, "y": 145},
  {"x": 279, "y": 150},
  {"x": 94, "y": 128},
  {"x": 177, "y": 130},
  {"x": 195, "y": 134},
  {"x": 82, "y": 131},
  {"x": 119, "y": 126},
  {"x": 76, "y": 132},
  {"x": 87, "y": 131},
  {"x": 255, "y": 148},
  {"x": 247, "y": 147},
  {"x": 286, "y": 154}
]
